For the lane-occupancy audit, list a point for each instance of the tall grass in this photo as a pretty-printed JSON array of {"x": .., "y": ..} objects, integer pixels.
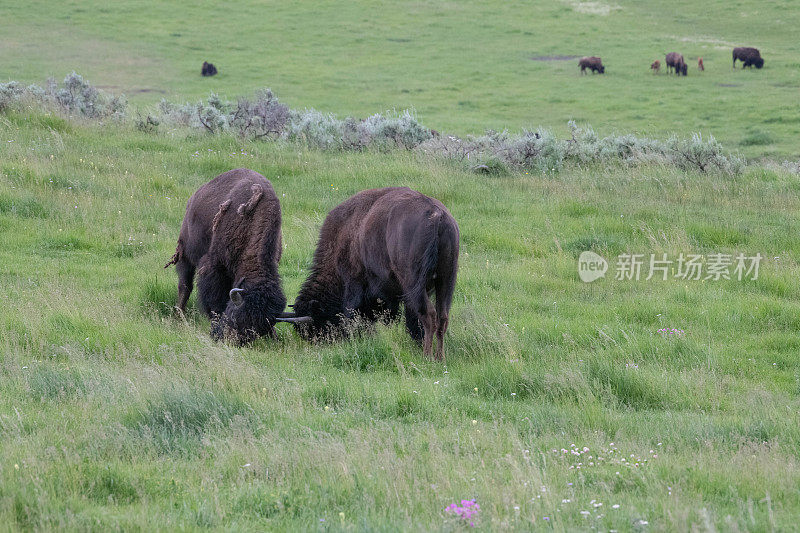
[{"x": 555, "y": 395}]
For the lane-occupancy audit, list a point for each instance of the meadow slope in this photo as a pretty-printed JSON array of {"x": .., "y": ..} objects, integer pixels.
[
  {"x": 464, "y": 66},
  {"x": 559, "y": 406}
]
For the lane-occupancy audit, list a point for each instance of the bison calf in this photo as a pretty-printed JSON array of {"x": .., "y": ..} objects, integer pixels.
[
  {"x": 675, "y": 61},
  {"x": 700, "y": 65},
  {"x": 655, "y": 66},
  {"x": 593, "y": 63},
  {"x": 231, "y": 235},
  {"x": 377, "y": 249},
  {"x": 748, "y": 56}
]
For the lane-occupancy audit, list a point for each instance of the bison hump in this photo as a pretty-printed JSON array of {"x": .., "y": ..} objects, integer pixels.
[
  {"x": 256, "y": 193},
  {"x": 223, "y": 207}
]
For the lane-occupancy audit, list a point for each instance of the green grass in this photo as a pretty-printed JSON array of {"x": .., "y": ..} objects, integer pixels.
[
  {"x": 464, "y": 66},
  {"x": 115, "y": 414}
]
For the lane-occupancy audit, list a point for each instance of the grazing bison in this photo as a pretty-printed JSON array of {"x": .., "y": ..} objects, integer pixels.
[
  {"x": 675, "y": 61},
  {"x": 208, "y": 69},
  {"x": 655, "y": 66},
  {"x": 748, "y": 56},
  {"x": 593, "y": 63},
  {"x": 377, "y": 249},
  {"x": 700, "y": 65},
  {"x": 231, "y": 235}
]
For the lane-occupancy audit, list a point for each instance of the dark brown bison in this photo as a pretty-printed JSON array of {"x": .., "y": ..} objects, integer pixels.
[
  {"x": 748, "y": 56},
  {"x": 377, "y": 249},
  {"x": 231, "y": 235},
  {"x": 655, "y": 66},
  {"x": 593, "y": 63},
  {"x": 675, "y": 61},
  {"x": 208, "y": 69},
  {"x": 700, "y": 65}
]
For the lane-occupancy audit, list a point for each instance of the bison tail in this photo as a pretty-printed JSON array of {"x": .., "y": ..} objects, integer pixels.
[
  {"x": 426, "y": 267},
  {"x": 176, "y": 256}
]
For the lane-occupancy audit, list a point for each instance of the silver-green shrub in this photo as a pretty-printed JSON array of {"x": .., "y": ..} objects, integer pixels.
[
  {"x": 75, "y": 96},
  {"x": 264, "y": 117}
]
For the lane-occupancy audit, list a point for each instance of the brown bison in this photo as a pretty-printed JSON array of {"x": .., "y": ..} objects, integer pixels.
[
  {"x": 377, "y": 249},
  {"x": 593, "y": 63},
  {"x": 208, "y": 69},
  {"x": 700, "y": 65},
  {"x": 655, "y": 66},
  {"x": 748, "y": 56},
  {"x": 675, "y": 61},
  {"x": 231, "y": 235}
]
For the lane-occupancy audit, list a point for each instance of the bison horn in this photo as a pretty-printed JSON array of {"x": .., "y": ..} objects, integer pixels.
[
  {"x": 237, "y": 296},
  {"x": 293, "y": 319}
]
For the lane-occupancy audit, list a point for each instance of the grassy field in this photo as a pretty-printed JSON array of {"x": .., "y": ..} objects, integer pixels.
[
  {"x": 560, "y": 406},
  {"x": 464, "y": 66}
]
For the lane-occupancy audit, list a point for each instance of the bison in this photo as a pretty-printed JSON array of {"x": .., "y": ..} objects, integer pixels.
[
  {"x": 377, "y": 249},
  {"x": 675, "y": 61},
  {"x": 593, "y": 63},
  {"x": 655, "y": 66},
  {"x": 208, "y": 69},
  {"x": 748, "y": 56},
  {"x": 700, "y": 65},
  {"x": 231, "y": 235}
]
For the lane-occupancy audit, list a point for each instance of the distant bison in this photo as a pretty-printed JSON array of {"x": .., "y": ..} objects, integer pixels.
[
  {"x": 675, "y": 61},
  {"x": 208, "y": 69},
  {"x": 377, "y": 249},
  {"x": 655, "y": 66},
  {"x": 700, "y": 65},
  {"x": 593, "y": 63},
  {"x": 231, "y": 235},
  {"x": 748, "y": 56}
]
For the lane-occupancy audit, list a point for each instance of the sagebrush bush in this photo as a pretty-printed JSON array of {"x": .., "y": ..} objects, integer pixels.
[
  {"x": 261, "y": 117},
  {"x": 74, "y": 96},
  {"x": 541, "y": 151},
  {"x": 791, "y": 166},
  {"x": 264, "y": 117}
]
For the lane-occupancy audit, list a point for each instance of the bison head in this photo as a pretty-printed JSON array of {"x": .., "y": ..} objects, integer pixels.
[
  {"x": 250, "y": 312},
  {"x": 601, "y": 69},
  {"x": 684, "y": 69},
  {"x": 758, "y": 62}
]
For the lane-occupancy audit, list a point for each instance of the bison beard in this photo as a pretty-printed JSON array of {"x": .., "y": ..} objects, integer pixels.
[
  {"x": 377, "y": 249},
  {"x": 232, "y": 232}
]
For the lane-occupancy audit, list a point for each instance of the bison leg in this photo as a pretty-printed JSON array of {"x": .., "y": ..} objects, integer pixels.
[
  {"x": 413, "y": 325},
  {"x": 213, "y": 286},
  {"x": 444, "y": 298},
  {"x": 421, "y": 321},
  {"x": 185, "y": 282}
]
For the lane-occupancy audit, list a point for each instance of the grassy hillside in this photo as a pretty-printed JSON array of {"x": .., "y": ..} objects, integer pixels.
[
  {"x": 560, "y": 405},
  {"x": 464, "y": 66}
]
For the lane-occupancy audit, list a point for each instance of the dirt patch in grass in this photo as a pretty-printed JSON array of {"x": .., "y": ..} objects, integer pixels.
[
  {"x": 132, "y": 90},
  {"x": 553, "y": 58}
]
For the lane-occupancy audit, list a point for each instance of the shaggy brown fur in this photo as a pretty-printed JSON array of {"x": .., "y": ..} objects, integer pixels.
[
  {"x": 675, "y": 61},
  {"x": 233, "y": 249},
  {"x": 700, "y": 65},
  {"x": 655, "y": 66},
  {"x": 377, "y": 249},
  {"x": 748, "y": 56},
  {"x": 594, "y": 63}
]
